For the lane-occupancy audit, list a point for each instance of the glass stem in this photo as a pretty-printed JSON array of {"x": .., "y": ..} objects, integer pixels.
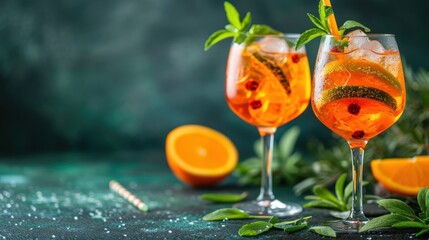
[
  {"x": 357, "y": 153},
  {"x": 267, "y": 137}
]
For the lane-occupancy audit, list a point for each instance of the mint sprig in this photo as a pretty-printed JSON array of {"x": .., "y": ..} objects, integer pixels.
[
  {"x": 401, "y": 215},
  {"x": 240, "y": 30},
  {"x": 322, "y": 27}
]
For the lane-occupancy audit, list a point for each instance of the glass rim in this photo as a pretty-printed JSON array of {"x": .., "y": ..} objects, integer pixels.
[{"x": 367, "y": 35}]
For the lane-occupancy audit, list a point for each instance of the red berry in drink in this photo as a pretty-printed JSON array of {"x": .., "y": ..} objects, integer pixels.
[{"x": 255, "y": 104}]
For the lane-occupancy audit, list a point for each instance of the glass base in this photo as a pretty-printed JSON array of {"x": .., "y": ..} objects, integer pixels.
[
  {"x": 346, "y": 226},
  {"x": 270, "y": 207}
]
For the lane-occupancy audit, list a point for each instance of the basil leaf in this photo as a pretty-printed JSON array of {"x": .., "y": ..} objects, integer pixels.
[
  {"x": 322, "y": 14},
  {"x": 231, "y": 28},
  {"x": 422, "y": 232},
  {"x": 421, "y": 199},
  {"x": 216, "y": 37},
  {"x": 316, "y": 21},
  {"x": 383, "y": 221},
  {"x": 397, "y": 206},
  {"x": 261, "y": 29},
  {"x": 325, "y": 194},
  {"x": 247, "y": 21},
  {"x": 232, "y": 15},
  {"x": 223, "y": 197},
  {"x": 339, "y": 187},
  {"x": 239, "y": 38},
  {"x": 427, "y": 203},
  {"x": 349, "y": 24},
  {"x": 409, "y": 224},
  {"x": 324, "y": 231},
  {"x": 273, "y": 220},
  {"x": 297, "y": 227},
  {"x": 307, "y": 36},
  {"x": 254, "y": 228},
  {"x": 287, "y": 224},
  {"x": 226, "y": 213}
]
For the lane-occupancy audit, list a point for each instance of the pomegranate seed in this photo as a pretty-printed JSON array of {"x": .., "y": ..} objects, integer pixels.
[
  {"x": 354, "y": 109},
  {"x": 336, "y": 49},
  {"x": 358, "y": 134},
  {"x": 295, "y": 58},
  {"x": 255, "y": 104},
  {"x": 252, "y": 85}
]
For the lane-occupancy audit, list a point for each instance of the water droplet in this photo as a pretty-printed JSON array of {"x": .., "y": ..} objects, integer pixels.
[
  {"x": 169, "y": 231},
  {"x": 75, "y": 218}
]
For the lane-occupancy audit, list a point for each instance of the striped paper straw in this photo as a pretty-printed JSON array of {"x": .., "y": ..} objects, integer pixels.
[{"x": 123, "y": 192}]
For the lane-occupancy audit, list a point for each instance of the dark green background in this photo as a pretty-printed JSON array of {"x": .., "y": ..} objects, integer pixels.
[{"x": 105, "y": 75}]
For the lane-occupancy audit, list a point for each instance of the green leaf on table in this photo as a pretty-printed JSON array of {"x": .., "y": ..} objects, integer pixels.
[
  {"x": 226, "y": 213},
  {"x": 397, "y": 206},
  {"x": 293, "y": 226},
  {"x": 273, "y": 220},
  {"x": 383, "y": 221},
  {"x": 254, "y": 228},
  {"x": 324, "y": 231},
  {"x": 339, "y": 187},
  {"x": 224, "y": 197},
  {"x": 320, "y": 204}
]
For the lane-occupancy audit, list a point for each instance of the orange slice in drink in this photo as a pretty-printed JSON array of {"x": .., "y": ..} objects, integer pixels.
[
  {"x": 366, "y": 67},
  {"x": 402, "y": 175},
  {"x": 200, "y": 156},
  {"x": 275, "y": 70},
  {"x": 357, "y": 92}
]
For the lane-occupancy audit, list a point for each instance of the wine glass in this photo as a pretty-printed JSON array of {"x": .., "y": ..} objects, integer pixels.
[
  {"x": 268, "y": 85},
  {"x": 358, "y": 91}
]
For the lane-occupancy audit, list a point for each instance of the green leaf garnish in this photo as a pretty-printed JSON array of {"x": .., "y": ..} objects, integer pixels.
[
  {"x": 254, "y": 228},
  {"x": 226, "y": 213},
  {"x": 322, "y": 27},
  {"x": 293, "y": 226},
  {"x": 324, "y": 231},
  {"x": 398, "y": 207},
  {"x": 240, "y": 30},
  {"x": 224, "y": 198},
  {"x": 401, "y": 215},
  {"x": 230, "y": 213},
  {"x": 383, "y": 221}
]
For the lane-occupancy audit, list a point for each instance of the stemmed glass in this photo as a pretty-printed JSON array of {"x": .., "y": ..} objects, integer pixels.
[
  {"x": 358, "y": 91},
  {"x": 267, "y": 85}
]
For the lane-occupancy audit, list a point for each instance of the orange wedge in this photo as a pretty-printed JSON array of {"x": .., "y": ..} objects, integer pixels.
[
  {"x": 404, "y": 176},
  {"x": 200, "y": 156}
]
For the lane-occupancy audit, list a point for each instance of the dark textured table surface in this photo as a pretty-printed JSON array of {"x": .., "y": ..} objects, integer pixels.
[{"x": 66, "y": 196}]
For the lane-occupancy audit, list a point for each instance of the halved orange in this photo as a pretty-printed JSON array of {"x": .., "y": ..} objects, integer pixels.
[
  {"x": 200, "y": 156},
  {"x": 402, "y": 175}
]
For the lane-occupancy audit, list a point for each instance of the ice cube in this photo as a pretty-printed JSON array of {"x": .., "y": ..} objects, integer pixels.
[
  {"x": 273, "y": 49},
  {"x": 272, "y": 44},
  {"x": 361, "y": 47},
  {"x": 356, "y": 40}
]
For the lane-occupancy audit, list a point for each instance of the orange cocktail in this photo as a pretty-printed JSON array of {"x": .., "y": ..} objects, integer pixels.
[
  {"x": 267, "y": 87},
  {"x": 356, "y": 97},
  {"x": 358, "y": 92}
]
